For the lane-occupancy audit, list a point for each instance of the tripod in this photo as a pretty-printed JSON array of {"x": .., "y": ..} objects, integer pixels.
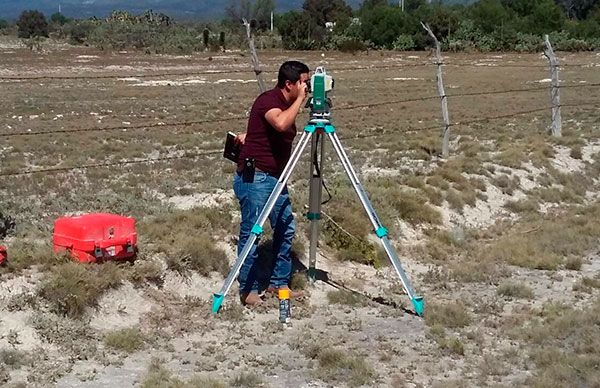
[{"x": 317, "y": 127}]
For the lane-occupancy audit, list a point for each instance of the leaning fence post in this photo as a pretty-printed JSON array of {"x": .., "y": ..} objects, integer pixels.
[
  {"x": 254, "y": 56},
  {"x": 442, "y": 93},
  {"x": 556, "y": 128}
]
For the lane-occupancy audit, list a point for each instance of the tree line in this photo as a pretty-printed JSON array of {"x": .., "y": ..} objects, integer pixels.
[{"x": 484, "y": 25}]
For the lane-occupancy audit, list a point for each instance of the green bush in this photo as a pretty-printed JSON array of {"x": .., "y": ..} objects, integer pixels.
[
  {"x": 32, "y": 23},
  {"x": 404, "y": 42}
]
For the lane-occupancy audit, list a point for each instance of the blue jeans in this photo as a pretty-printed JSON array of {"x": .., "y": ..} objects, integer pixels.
[{"x": 253, "y": 197}]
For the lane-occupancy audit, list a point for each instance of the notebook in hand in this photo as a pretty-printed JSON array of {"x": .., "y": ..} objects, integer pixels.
[{"x": 232, "y": 149}]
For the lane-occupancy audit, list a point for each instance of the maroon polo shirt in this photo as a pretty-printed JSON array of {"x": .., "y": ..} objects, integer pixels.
[{"x": 270, "y": 148}]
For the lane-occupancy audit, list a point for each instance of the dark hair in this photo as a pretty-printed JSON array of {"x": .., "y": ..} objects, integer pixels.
[{"x": 290, "y": 71}]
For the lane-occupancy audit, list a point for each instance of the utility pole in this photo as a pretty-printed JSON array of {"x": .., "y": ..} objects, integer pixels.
[
  {"x": 402, "y": 5},
  {"x": 59, "y": 10},
  {"x": 271, "y": 21}
]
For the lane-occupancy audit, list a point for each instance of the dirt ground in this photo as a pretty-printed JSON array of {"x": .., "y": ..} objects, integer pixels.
[{"x": 487, "y": 322}]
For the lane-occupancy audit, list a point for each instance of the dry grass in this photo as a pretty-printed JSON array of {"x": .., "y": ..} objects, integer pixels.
[
  {"x": 141, "y": 190},
  {"x": 543, "y": 243},
  {"x": 13, "y": 358},
  {"x": 449, "y": 345},
  {"x": 184, "y": 237},
  {"x": 127, "y": 340},
  {"x": 450, "y": 315},
  {"x": 511, "y": 289},
  {"x": 346, "y": 298},
  {"x": 247, "y": 380},
  {"x": 160, "y": 377},
  {"x": 338, "y": 366},
  {"x": 564, "y": 345},
  {"x": 72, "y": 288}
]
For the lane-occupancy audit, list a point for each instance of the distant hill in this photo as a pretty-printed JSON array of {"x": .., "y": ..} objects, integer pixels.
[{"x": 179, "y": 9}]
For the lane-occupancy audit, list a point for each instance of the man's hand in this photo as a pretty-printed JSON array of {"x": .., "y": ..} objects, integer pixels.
[
  {"x": 302, "y": 90},
  {"x": 240, "y": 138}
]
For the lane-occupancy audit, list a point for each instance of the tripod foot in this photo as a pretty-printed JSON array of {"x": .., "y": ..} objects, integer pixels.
[
  {"x": 419, "y": 305},
  {"x": 217, "y": 301}
]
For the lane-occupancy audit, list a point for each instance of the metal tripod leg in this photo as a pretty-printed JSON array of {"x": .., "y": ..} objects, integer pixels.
[
  {"x": 314, "y": 200},
  {"x": 381, "y": 232},
  {"x": 257, "y": 229}
]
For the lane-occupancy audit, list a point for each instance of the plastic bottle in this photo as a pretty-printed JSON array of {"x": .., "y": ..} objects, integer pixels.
[{"x": 284, "y": 306}]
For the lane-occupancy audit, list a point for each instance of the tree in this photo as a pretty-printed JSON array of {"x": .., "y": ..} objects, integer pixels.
[
  {"x": 237, "y": 10},
  {"x": 322, "y": 11},
  {"x": 578, "y": 9},
  {"x": 488, "y": 15},
  {"x": 59, "y": 18},
  {"x": 32, "y": 23},
  {"x": 3, "y": 24},
  {"x": 262, "y": 13}
]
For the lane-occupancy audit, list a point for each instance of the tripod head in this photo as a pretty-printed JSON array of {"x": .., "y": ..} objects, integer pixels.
[{"x": 320, "y": 85}]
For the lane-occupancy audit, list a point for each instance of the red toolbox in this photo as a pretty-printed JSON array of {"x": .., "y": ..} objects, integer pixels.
[
  {"x": 96, "y": 237},
  {"x": 3, "y": 255}
]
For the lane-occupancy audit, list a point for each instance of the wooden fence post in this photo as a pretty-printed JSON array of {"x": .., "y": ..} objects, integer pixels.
[
  {"x": 556, "y": 128},
  {"x": 254, "y": 56},
  {"x": 442, "y": 93}
]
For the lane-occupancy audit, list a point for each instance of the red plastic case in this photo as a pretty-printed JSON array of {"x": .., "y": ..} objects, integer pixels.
[
  {"x": 96, "y": 237},
  {"x": 3, "y": 255}
]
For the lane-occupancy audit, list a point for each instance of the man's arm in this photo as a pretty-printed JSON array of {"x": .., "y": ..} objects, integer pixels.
[{"x": 282, "y": 120}]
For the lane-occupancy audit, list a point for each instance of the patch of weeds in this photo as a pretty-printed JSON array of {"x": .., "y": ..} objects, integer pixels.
[
  {"x": 246, "y": 379},
  {"x": 298, "y": 281},
  {"x": 478, "y": 184},
  {"x": 443, "y": 244},
  {"x": 438, "y": 181},
  {"x": 557, "y": 195},
  {"x": 526, "y": 205},
  {"x": 506, "y": 184},
  {"x": 346, "y": 298},
  {"x": 72, "y": 287},
  {"x": 233, "y": 312},
  {"x": 24, "y": 254},
  {"x": 434, "y": 196},
  {"x": 337, "y": 366},
  {"x": 514, "y": 290},
  {"x": 197, "y": 253},
  {"x": 564, "y": 344},
  {"x": 183, "y": 236},
  {"x": 448, "y": 345},
  {"x": 127, "y": 340},
  {"x": 523, "y": 252},
  {"x": 14, "y": 358},
  {"x": 350, "y": 247},
  {"x": 543, "y": 242},
  {"x": 146, "y": 271},
  {"x": 73, "y": 337},
  {"x": 413, "y": 208},
  {"x": 576, "y": 152},
  {"x": 450, "y": 315},
  {"x": 574, "y": 263},
  {"x": 22, "y": 301},
  {"x": 455, "y": 200},
  {"x": 160, "y": 377},
  {"x": 205, "y": 382},
  {"x": 512, "y": 157},
  {"x": 586, "y": 284}
]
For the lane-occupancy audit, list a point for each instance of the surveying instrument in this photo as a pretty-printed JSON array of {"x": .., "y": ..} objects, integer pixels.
[{"x": 314, "y": 131}]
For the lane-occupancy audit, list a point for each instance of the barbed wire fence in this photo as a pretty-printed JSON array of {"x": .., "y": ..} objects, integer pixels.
[{"x": 555, "y": 87}]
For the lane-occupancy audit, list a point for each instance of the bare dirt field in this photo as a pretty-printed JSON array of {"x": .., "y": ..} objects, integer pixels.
[{"x": 501, "y": 238}]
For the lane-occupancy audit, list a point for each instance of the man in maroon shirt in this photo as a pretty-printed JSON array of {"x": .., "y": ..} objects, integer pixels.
[{"x": 267, "y": 144}]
